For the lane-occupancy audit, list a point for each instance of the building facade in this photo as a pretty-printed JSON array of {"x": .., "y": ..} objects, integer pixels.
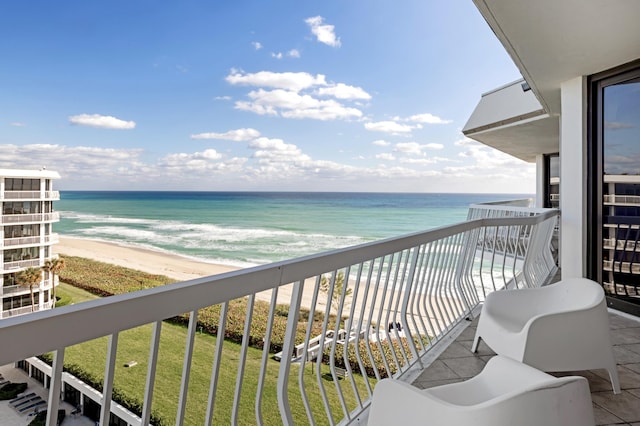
[
  {"x": 576, "y": 114},
  {"x": 26, "y": 237}
]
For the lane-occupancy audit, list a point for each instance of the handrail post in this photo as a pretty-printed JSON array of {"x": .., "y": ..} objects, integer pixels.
[{"x": 287, "y": 350}]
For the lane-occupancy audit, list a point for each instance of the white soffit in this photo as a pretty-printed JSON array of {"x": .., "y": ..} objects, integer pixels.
[{"x": 552, "y": 41}]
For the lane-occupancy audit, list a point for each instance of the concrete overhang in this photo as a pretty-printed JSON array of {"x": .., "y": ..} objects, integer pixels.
[
  {"x": 512, "y": 120},
  {"x": 553, "y": 41}
]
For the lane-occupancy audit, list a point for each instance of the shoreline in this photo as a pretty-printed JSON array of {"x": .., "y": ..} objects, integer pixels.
[
  {"x": 143, "y": 259},
  {"x": 180, "y": 268}
]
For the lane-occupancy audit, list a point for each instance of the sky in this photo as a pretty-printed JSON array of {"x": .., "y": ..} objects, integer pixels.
[{"x": 332, "y": 95}]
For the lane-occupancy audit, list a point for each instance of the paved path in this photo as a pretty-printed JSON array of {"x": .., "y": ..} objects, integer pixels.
[{"x": 9, "y": 416}]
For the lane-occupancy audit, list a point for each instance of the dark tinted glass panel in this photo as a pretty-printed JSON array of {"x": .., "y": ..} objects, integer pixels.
[{"x": 621, "y": 132}]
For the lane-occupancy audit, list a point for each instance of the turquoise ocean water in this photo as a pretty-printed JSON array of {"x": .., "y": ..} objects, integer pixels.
[{"x": 251, "y": 228}]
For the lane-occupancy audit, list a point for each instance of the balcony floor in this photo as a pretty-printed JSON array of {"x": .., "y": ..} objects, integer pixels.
[{"x": 458, "y": 363}]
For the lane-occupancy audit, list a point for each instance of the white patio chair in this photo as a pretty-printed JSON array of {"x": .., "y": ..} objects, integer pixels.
[
  {"x": 560, "y": 327},
  {"x": 505, "y": 393}
]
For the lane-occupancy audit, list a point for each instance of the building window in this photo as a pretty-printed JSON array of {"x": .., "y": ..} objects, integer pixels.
[
  {"x": 615, "y": 180},
  {"x": 17, "y": 184},
  {"x": 552, "y": 181},
  {"x": 17, "y": 231}
]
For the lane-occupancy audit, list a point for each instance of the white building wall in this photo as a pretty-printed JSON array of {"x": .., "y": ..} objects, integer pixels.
[{"x": 573, "y": 186}]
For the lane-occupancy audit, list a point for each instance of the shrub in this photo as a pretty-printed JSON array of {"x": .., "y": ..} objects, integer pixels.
[
  {"x": 11, "y": 390},
  {"x": 40, "y": 419}
]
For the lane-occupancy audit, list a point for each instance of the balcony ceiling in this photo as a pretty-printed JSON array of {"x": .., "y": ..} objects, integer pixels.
[
  {"x": 550, "y": 41},
  {"x": 553, "y": 41}
]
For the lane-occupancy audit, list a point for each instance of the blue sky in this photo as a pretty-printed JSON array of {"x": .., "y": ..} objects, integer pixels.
[{"x": 252, "y": 95}]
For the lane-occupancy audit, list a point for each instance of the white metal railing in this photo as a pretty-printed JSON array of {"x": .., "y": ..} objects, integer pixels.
[
  {"x": 22, "y": 241},
  {"x": 15, "y": 289},
  {"x": 405, "y": 294},
  {"x": 31, "y": 195},
  {"x": 622, "y": 200},
  {"x": 18, "y": 312},
  {"x": 9, "y": 242},
  {"x": 18, "y": 264},
  {"x": 31, "y": 217}
]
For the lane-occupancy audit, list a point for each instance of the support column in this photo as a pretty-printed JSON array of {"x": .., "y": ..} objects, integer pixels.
[{"x": 573, "y": 178}]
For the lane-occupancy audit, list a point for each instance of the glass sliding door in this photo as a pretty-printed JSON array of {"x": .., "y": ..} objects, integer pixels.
[{"x": 615, "y": 145}]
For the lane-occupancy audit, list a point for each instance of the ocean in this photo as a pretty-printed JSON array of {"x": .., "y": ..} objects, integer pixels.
[{"x": 252, "y": 228}]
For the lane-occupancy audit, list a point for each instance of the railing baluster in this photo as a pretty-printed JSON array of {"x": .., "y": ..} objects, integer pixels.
[
  {"x": 55, "y": 387},
  {"x": 151, "y": 372},
  {"x": 242, "y": 360},
  {"x": 305, "y": 351},
  {"x": 289, "y": 344},
  {"x": 107, "y": 387},
  {"x": 186, "y": 367},
  {"x": 217, "y": 361},
  {"x": 265, "y": 355}
]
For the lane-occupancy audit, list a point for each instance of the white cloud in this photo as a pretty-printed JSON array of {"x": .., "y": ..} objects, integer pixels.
[
  {"x": 388, "y": 127},
  {"x": 616, "y": 125},
  {"x": 256, "y": 45},
  {"x": 271, "y": 165},
  {"x": 293, "y": 53},
  {"x": 270, "y": 150},
  {"x": 380, "y": 142},
  {"x": 222, "y": 98},
  {"x": 101, "y": 121},
  {"x": 409, "y": 148},
  {"x": 17, "y": 124},
  {"x": 244, "y": 134},
  {"x": 324, "y": 33},
  {"x": 386, "y": 156},
  {"x": 293, "y": 81},
  {"x": 428, "y": 119},
  {"x": 434, "y": 146},
  {"x": 276, "y": 55},
  {"x": 290, "y": 104},
  {"x": 343, "y": 91}
]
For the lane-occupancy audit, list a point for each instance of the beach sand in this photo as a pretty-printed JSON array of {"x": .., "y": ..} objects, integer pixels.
[
  {"x": 150, "y": 261},
  {"x": 173, "y": 266}
]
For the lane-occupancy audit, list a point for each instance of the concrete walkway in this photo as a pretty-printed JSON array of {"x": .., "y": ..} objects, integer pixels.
[{"x": 9, "y": 416}]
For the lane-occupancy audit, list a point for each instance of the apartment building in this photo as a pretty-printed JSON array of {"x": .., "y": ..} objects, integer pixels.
[{"x": 26, "y": 237}]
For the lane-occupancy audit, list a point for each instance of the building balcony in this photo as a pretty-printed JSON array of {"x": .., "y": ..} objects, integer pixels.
[
  {"x": 17, "y": 312},
  {"x": 31, "y": 241},
  {"x": 14, "y": 219},
  {"x": 30, "y": 195},
  {"x": 21, "y": 264},
  {"x": 405, "y": 301}
]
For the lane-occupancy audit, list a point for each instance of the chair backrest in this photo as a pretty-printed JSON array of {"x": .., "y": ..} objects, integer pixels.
[{"x": 574, "y": 294}]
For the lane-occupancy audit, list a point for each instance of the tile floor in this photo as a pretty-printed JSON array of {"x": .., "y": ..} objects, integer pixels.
[{"x": 458, "y": 363}]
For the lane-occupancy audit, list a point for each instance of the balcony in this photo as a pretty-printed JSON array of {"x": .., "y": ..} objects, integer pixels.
[
  {"x": 407, "y": 297},
  {"x": 21, "y": 264},
  {"x": 30, "y": 195},
  {"x": 30, "y": 241},
  {"x": 14, "y": 219},
  {"x": 17, "y": 312}
]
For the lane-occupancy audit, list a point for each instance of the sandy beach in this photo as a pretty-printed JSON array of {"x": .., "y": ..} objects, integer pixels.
[{"x": 155, "y": 262}]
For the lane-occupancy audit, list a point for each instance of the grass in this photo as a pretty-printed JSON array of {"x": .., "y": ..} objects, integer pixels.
[{"x": 133, "y": 345}]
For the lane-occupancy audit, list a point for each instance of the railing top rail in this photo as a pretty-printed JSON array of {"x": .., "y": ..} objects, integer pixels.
[
  {"x": 516, "y": 208},
  {"x": 112, "y": 314},
  {"x": 520, "y": 202}
]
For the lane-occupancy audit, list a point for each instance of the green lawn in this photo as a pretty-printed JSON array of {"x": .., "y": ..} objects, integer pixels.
[
  {"x": 72, "y": 294},
  {"x": 133, "y": 345}
]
